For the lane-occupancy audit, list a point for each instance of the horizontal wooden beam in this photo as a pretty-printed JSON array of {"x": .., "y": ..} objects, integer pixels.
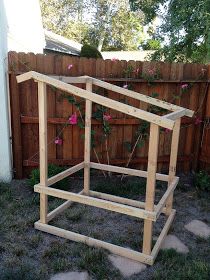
[
  {"x": 70, "y": 80},
  {"x": 118, "y": 79},
  {"x": 128, "y": 171},
  {"x": 141, "y": 97},
  {"x": 122, "y": 121},
  {"x": 175, "y": 115},
  {"x": 65, "y": 174},
  {"x": 124, "y": 252},
  {"x": 119, "y": 161},
  {"x": 100, "y": 203},
  {"x": 118, "y": 199},
  {"x": 115, "y": 105},
  {"x": 131, "y": 202},
  {"x": 166, "y": 195},
  {"x": 162, "y": 235}
]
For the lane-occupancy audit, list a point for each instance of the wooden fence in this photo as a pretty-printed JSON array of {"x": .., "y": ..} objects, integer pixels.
[{"x": 24, "y": 112}]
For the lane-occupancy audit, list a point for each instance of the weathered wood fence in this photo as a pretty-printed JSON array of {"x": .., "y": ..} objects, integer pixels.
[{"x": 194, "y": 148}]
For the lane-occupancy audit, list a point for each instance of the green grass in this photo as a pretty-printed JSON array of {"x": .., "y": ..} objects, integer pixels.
[
  {"x": 28, "y": 254},
  {"x": 95, "y": 262},
  {"x": 175, "y": 266}
]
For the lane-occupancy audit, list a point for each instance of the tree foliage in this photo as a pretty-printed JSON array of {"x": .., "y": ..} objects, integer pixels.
[
  {"x": 185, "y": 28},
  {"x": 107, "y": 25}
]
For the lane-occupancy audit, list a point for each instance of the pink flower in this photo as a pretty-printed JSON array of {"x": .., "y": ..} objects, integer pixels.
[
  {"x": 151, "y": 71},
  {"x": 167, "y": 130},
  {"x": 198, "y": 120},
  {"x": 137, "y": 70},
  {"x": 70, "y": 66},
  {"x": 106, "y": 117},
  {"x": 73, "y": 119},
  {"x": 58, "y": 141},
  {"x": 125, "y": 86},
  {"x": 184, "y": 86},
  {"x": 114, "y": 59}
]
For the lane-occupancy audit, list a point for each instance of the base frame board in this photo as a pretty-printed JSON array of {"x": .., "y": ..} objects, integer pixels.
[
  {"x": 115, "y": 249},
  {"x": 112, "y": 201}
]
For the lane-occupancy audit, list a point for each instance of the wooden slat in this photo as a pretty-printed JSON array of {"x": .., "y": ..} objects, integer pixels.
[
  {"x": 98, "y": 99},
  {"x": 175, "y": 115},
  {"x": 141, "y": 97},
  {"x": 16, "y": 128},
  {"x": 150, "y": 187},
  {"x": 173, "y": 162},
  {"x": 163, "y": 200},
  {"x": 119, "y": 161},
  {"x": 65, "y": 174},
  {"x": 42, "y": 99},
  {"x": 123, "y": 121},
  {"x": 87, "y": 148},
  {"x": 128, "y": 171},
  {"x": 163, "y": 234},
  {"x": 124, "y": 252},
  {"x": 100, "y": 203}
]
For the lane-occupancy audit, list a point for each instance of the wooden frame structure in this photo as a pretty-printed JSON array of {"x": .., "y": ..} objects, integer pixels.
[{"x": 145, "y": 210}]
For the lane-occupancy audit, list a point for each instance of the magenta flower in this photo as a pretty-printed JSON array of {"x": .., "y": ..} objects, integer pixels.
[
  {"x": 58, "y": 141},
  {"x": 197, "y": 120},
  {"x": 106, "y": 117},
  {"x": 125, "y": 86},
  {"x": 151, "y": 71},
  {"x": 167, "y": 130},
  {"x": 73, "y": 119},
  {"x": 114, "y": 59},
  {"x": 70, "y": 66},
  {"x": 184, "y": 86}
]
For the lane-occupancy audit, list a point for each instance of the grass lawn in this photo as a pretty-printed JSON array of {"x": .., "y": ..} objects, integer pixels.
[{"x": 26, "y": 253}]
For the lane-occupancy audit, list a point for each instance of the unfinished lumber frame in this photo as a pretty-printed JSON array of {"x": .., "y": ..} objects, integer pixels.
[{"x": 147, "y": 210}]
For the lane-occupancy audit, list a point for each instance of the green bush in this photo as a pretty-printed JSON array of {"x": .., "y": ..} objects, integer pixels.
[
  {"x": 90, "y": 51},
  {"x": 52, "y": 170},
  {"x": 202, "y": 181}
]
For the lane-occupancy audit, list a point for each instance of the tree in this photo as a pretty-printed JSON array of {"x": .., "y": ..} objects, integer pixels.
[
  {"x": 185, "y": 28},
  {"x": 64, "y": 17},
  {"x": 104, "y": 24}
]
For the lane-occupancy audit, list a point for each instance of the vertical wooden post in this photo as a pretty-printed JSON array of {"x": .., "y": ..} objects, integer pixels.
[
  {"x": 42, "y": 101},
  {"x": 150, "y": 187},
  {"x": 173, "y": 161},
  {"x": 87, "y": 148}
]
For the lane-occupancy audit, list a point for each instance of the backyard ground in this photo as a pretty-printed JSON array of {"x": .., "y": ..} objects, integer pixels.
[{"x": 26, "y": 253}]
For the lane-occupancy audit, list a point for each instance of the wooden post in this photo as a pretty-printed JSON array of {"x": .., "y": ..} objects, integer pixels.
[
  {"x": 87, "y": 148},
  {"x": 173, "y": 160},
  {"x": 150, "y": 188},
  {"x": 42, "y": 101}
]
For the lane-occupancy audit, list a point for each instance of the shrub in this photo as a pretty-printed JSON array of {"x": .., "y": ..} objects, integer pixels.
[
  {"x": 52, "y": 170},
  {"x": 90, "y": 51},
  {"x": 202, "y": 181}
]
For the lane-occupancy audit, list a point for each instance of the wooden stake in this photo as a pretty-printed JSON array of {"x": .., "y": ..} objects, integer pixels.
[
  {"x": 173, "y": 161},
  {"x": 87, "y": 149},
  {"x": 150, "y": 188},
  {"x": 42, "y": 101}
]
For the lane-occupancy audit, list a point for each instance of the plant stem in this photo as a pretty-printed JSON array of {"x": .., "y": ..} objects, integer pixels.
[
  {"x": 131, "y": 154},
  {"x": 94, "y": 150}
]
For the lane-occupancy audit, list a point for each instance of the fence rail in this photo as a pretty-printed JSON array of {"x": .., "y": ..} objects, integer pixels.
[{"x": 194, "y": 148}]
